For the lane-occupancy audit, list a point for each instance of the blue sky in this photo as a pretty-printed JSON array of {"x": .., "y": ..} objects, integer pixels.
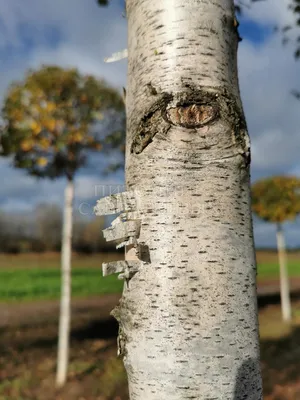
[
  {"x": 79, "y": 33},
  {"x": 255, "y": 32}
]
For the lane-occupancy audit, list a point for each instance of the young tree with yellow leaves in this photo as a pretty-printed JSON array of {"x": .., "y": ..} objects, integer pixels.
[
  {"x": 276, "y": 200},
  {"x": 49, "y": 125}
]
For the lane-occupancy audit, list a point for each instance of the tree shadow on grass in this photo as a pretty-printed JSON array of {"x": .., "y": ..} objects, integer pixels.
[
  {"x": 274, "y": 298},
  {"x": 104, "y": 329},
  {"x": 281, "y": 360},
  {"x": 99, "y": 329}
]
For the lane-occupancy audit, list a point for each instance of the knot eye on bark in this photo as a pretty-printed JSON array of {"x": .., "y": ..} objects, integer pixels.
[{"x": 193, "y": 115}]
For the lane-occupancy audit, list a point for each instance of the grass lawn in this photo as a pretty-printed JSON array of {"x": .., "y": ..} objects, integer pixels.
[
  {"x": 37, "y": 284},
  {"x": 37, "y": 276},
  {"x": 270, "y": 270}
]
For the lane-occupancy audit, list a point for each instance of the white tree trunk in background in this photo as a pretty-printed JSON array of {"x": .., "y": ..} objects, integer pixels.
[
  {"x": 65, "y": 300},
  {"x": 286, "y": 308},
  {"x": 188, "y": 315}
]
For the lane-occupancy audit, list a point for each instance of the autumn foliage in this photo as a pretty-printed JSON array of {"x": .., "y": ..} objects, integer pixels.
[
  {"x": 49, "y": 116},
  {"x": 276, "y": 199}
]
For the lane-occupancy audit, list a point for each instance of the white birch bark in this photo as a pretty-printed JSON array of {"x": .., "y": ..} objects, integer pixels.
[
  {"x": 188, "y": 315},
  {"x": 286, "y": 308},
  {"x": 65, "y": 299}
]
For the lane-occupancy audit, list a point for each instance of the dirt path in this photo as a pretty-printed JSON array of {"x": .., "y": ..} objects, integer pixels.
[
  {"x": 28, "y": 350},
  {"x": 271, "y": 286},
  {"x": 38, "y": 312},
  {"x": 29, "y": 313}
]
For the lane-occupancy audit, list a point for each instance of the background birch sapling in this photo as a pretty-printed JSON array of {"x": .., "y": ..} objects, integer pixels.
[
  {"x": 49, "y": 126},
  {"x": 276, "y": 200}
]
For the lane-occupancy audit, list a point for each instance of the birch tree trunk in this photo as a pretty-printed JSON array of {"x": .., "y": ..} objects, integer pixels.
[
  {"x": 65, "y": 299},
  {"x": 286, "y": 308},
  {"x": 188, "y": 314}
]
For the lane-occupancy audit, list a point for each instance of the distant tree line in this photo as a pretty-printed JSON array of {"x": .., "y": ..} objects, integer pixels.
[{"x": 40, "y": 231}]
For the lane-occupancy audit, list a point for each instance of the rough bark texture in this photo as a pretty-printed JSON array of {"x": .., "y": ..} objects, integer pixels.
[
  {"x": 188, "y": 315},
  {"x": 286, "y": 308},
  {"x": 65, "y": 300}
]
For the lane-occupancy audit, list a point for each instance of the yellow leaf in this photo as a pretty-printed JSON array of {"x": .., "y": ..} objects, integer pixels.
[
  {"x": 35, "y": 127},
  {"x": 17, "y": 115},
  {"x": 50, "y": 106},
  {"x": 50, "y": 124},
  {"x": 42, "y": 161},
  {"x": 26, "y": 145},
  {"x": 44, "y": 143},
  {"x": 77, "y": 137}
]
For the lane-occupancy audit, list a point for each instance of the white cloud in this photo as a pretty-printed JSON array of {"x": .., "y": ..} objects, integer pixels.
[
  {"x": 89, "y": 34},
  {"x": 268, "y": 73},
  {"x": 270, "y": 12},
  {"x": 68, "y": 55}
]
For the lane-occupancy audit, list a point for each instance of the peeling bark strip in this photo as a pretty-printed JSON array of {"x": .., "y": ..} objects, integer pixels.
[
  {"x": 188, "y": 318},
  {"x": 116, "y": 203},
  {"x": 128, "y": 268},
  {"x": 117, "y": 56},
  {"x": 125, "y": 230},
  {"x": 122, "y": 230}
]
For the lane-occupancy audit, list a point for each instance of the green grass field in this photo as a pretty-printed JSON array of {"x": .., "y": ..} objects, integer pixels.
[
  {"x": 37, "y": 284},
  {"x": 37, "y": 277},
  {"x": 270, "y": 270}
]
